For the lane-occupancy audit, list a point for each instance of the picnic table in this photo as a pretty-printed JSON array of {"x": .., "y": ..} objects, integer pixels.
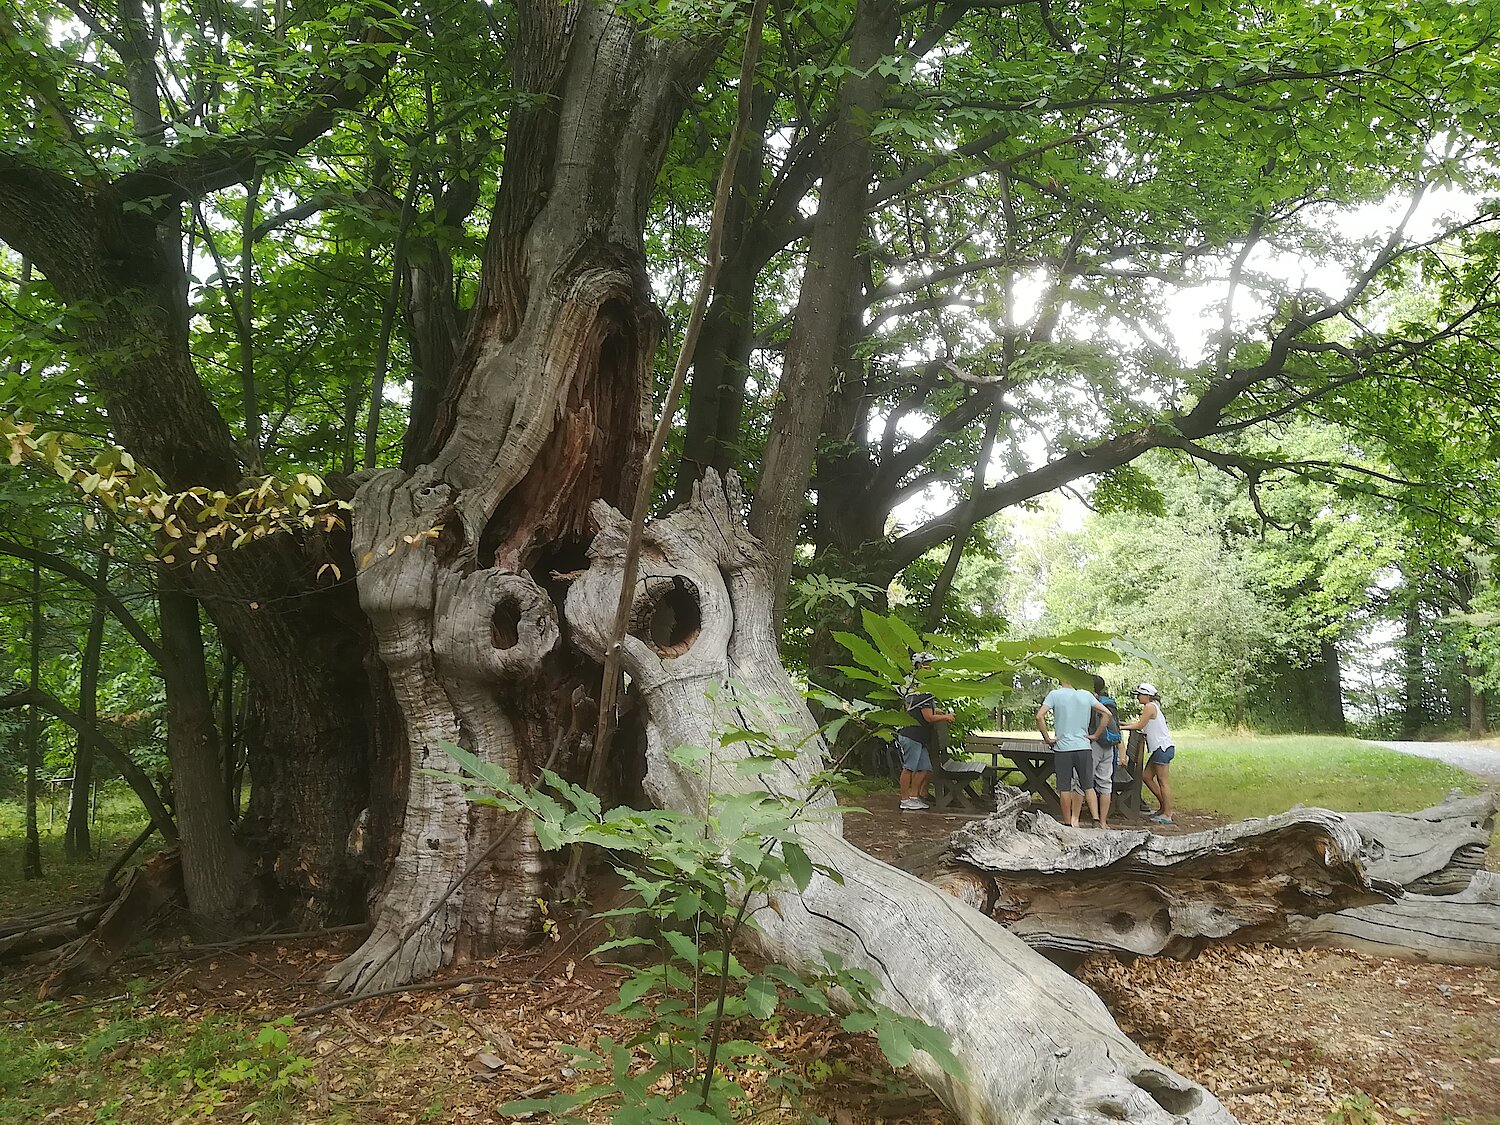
[
  {"x": 1027, "y": 762},
  {"x": 1030, "y": 764}
]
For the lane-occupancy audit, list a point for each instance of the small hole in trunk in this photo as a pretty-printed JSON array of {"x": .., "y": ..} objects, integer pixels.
[
  {"x": 505, "y": 624},
  {"x": 671, "y": 621}
]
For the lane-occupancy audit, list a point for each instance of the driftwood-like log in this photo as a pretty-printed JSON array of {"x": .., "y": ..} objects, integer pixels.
[
  {"x": 1451, "y": 911},
  {"x": 1037, "y": 1046},
  {"x": 147, "y": 891},
  {"x": 1432, "y": 852},
  {"x": 1134, "y": 893},
  {"x": 1460, "y": 929},
  {"x": 1395, "y": 884}
]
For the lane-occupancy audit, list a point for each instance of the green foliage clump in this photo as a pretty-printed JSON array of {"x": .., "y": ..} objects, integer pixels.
[{"x": 696, "y": 883}]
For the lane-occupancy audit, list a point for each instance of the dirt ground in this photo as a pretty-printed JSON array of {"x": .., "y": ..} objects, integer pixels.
[
  {"x": 454, "y": 1055},
  {"x": 1285, "y": 1037},
  {"x": 1282, "y": 1037}
]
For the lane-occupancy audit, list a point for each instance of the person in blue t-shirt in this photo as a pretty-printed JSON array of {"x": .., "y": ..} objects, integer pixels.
[{"x": 1074, "y": 712}]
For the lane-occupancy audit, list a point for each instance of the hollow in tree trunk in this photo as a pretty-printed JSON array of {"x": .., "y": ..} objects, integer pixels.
[{"x": 463, "y": 562}]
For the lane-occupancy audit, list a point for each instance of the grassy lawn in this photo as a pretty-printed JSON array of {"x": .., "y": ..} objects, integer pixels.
[
  {"x": 1239, "y": 775},
  {"x": 119, "y": 818}
]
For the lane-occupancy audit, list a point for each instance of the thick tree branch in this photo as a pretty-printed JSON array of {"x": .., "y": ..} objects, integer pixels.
[
  {"x": 132, "y": 773},
  {"x": 59, "y": 565},
  {"x": 191, "y": 171}
]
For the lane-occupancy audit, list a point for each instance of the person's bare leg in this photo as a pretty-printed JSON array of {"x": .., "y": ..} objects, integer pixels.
[
  {"x": 1164, "y": 789},
  {"x": 1148, "y": 776},
  {"x": 906, "y": 790},
  {"x": 919, "y": 783},
  {"x": 1092, "y": 800},
  {"x": 1103, "y": 799}
]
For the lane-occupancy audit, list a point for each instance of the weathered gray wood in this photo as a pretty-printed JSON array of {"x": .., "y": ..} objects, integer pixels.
[
  {"x": 1136, "y": 893},
  {"x": 1305, "y": 877},
  {"x": 1451, "y": 911},
  {"x": 1457, "y": 929},
  {"x": 1435, "y": 851},
  {"x": 547, "y": 410},
  {"x": 1036, "y": 1044}
]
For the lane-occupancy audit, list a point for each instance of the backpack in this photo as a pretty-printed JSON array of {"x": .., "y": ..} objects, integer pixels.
[{"x": 1111, "y": 735}]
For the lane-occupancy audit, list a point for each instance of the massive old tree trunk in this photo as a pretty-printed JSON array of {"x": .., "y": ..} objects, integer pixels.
[
  {"x": 1036, "y": 1045},
  {"x": 462, "y": 563}
]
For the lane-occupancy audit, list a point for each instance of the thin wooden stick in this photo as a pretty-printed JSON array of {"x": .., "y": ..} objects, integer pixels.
[
  {"x": 425, "y": 986},
  {"x": 609, "y": 689}
]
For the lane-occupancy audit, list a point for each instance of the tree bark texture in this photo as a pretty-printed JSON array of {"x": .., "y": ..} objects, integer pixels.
[
  {"x": 717, "y": 669},
  {"x": 1451, "y": 909},
  {"x": 212, "y": 866},
  {"x": 76, "y": 841},
  {"x": 462, "y": 563},
  {"x": 31, "y": 860},
  {"x": 1135, "y": 893},
  {"x": 825, "y": 296},
  {"x": 1394, "y": 884}
]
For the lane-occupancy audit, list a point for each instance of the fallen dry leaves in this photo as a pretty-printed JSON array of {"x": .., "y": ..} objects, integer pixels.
[{"x": 1286, "y": 1037}]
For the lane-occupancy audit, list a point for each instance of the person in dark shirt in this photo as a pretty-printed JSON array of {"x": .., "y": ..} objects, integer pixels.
[{"x": 915, "y": 742}]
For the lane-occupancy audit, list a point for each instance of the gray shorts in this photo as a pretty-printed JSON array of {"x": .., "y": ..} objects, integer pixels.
[
  {"x": 914, "y": 756},
  {"x": 1104, "y": 770},
  {"x": 1074, "y": 769}
]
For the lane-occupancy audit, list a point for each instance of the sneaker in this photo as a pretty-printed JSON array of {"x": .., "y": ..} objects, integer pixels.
[{"x": 911, "y": 804}]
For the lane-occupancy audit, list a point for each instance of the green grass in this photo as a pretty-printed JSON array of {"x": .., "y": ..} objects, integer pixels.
[
  {"x": 112, "y": 1066},
  {"x": 1241, "y": 776},
  {"x": 120, "y": 818}
]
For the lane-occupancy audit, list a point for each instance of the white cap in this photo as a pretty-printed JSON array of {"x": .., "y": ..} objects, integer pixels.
[{"x": 1147, "y": 689}]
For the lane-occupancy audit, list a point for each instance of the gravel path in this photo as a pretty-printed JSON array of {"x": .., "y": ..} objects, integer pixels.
[{"x": 1471, "y": 756}]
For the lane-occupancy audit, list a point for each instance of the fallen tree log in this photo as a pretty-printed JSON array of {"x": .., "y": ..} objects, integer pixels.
[
  {"x": 1036, "y": 1045},
  {"x": 145, "y": 893},
  {"x": 1451, "y": 910},
  {"x": 1134, "y": 893},
  {"x": 1458, "y": 929},
  {"x": 1305, "y": 877},
  {"x": 1435, "y": 851}
]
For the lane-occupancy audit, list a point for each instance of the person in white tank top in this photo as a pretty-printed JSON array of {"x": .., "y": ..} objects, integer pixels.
[{"x": 1159, "y": 749}]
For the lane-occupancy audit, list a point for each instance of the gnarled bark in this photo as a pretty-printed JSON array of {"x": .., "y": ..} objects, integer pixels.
[
  {"x": 1400, "y": 884},
  {"x": 1451, "y": 909},
  {"x": 459, "y": 562},
  {"x": 1135, "y": 893},
  {"x": 1036, "y": 1045},
  {"x": 1457, "y": 929}
]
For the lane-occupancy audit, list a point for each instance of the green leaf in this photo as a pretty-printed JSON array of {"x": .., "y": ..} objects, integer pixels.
[
  {"x": 760, "y": 997},
  {"x": 798, "y": 865}
]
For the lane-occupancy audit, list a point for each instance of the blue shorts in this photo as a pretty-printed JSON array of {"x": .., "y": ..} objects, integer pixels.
[
  {"x": 1162, "y": 757},
  {"x": 914, "y": 756}
]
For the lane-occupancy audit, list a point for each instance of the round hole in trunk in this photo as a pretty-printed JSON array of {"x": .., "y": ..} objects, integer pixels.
[
  {"x": 670, "y": 620},
  {"x": 505, "y": 624}
]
